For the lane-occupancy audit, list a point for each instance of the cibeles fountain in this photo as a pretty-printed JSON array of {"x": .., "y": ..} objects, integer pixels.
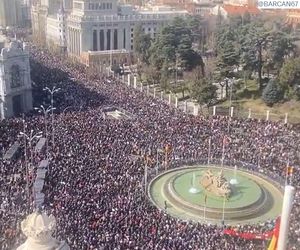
[{"x": 38, "y": 227}]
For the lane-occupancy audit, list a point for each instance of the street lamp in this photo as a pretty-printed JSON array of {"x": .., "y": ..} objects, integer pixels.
[
  {"x": 45, "y": 111},
  {"x": 52, "y": 92},
  {"x": 30, "y": 138}
]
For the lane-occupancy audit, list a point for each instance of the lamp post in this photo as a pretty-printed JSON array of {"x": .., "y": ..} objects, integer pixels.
[
  {"x": 52, "y": 92},
  {"x": 45, "y": 111},
  {"x": 30, "y": 138}
]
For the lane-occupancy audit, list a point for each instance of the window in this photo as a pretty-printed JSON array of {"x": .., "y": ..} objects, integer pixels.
[
  {"x": 15, "y": 76},
  {"x": 77, "y": 5}
]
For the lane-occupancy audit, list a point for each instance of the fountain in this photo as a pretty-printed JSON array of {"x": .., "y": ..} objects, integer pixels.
[
  {"x": 193, "y": 188},
  {"x": 234, "y": 181}
]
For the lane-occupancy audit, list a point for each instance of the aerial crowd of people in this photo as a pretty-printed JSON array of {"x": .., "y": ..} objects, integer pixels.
[{"x": 94, "y": 185}]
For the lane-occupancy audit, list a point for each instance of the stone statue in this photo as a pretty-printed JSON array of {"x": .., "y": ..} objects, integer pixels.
[
  {"x": 217, "y": 184},
  {"x": 38, "y": 227}
]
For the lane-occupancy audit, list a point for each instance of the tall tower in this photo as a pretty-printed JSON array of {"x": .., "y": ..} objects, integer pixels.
[
  {"x": 62, "y": 24},
  {"x": 15, "y": 81}
]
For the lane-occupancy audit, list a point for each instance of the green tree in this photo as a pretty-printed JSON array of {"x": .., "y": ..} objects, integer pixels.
[
  {"x": 204, "y": 92},
  {"x": 272, "y": 93},
  {"x": 289, "y": 76},
  {"x": 141, "y": 44}
]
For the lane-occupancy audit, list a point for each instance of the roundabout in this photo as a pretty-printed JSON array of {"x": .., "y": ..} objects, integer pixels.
[{"x": 183, "y": 194}]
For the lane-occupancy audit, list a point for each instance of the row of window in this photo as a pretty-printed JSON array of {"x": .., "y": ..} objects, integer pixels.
[
  {"x": 100, "y": 6},
  {"x": 77, "y": 5}
]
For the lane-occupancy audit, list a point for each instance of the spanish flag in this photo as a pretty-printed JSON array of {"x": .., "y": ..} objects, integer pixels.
[
  {"x": 274, "y": 240},
  {"x": 289, "y": 170}
]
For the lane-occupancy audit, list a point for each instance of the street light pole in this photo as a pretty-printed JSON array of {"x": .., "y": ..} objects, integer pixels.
[
  {"x": 30, "y": 138},
  {"x": 26, "y": 160},
  {"x": 45, "y": 111},
  {"x": 52, "y": 92}
]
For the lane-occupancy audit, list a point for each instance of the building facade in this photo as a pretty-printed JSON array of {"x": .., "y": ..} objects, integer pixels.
[
  {"x": 97, "y": 31},
  {"x": 15, "y": 81},
  {"x": 15, "y": 13}
]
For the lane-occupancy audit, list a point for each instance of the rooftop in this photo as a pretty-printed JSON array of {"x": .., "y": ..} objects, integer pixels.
[{"x": 240, "y": 9}]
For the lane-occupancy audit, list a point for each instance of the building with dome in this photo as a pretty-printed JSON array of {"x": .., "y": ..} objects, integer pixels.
[{"x": 96, "y": 32}]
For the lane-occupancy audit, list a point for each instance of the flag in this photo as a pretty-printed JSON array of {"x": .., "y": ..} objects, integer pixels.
[
  {"x": 289, "y": 170},
  {"x": 205, "y": 198},
  {"x": 274, "y": 240},
  {"x": 168, "y": 148}
]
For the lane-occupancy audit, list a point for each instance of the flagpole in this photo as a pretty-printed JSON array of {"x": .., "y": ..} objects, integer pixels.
[
  {"x": 223, "y": 152},
  {"x": 157, "y": 162},
  {"x": 146, "y": 177},
  {"x": 209, "y": 150},
  {"x": 223, "y": 213},
  {"x": 166, "y": 159},
  {"x": 205, "y": 199},
  {"x": 287, "y": 171}
]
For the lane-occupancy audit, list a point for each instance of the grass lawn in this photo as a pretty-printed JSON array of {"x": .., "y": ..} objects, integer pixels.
[{"x": 250, "y": 99}]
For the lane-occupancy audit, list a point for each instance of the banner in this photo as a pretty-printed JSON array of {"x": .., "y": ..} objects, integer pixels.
[{"x": 249, "y": 236}]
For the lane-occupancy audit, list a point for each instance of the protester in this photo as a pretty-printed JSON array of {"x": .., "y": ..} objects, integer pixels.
[{"x": 94, "y": 184}]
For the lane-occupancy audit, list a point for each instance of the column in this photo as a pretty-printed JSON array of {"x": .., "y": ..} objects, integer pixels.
[
  {"x": 268, "y": 114},
  {"x": 120, "y": 38},
  {"x": 105, "y": 38},
  {"x": 286, "y": 118},
  {"x": 134, "y": 82},
  {"x": 80, "y": 42},
  {"x": 195, "y": 109},
  {"x": 116, "y": 40},
  {"x": 148, "y": 89},
  {"x": 154, "y": 92},
  {"x": 128, "y": 79},
  {"x": 76, "y": 42},
  {"x": 288, "y": 199},
  {"x": 99, "y": 40},
  {"x": 249, "y": 114},
  {"x": 108, "y": 34},
  {"x": 231, "y": 111},
  {"x": 124, "y": 39},
  {"x": 161, "y": 95},
  {"x": 214, "y": 110},
  {"x": 72, "y": 35},
  {"x": 170, "y": 99},
  {"x": 185, "y": 107},
  {"x": 176, "y": 102}
]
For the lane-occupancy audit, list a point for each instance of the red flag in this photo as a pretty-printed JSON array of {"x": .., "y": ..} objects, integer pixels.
[
  {"x": 274, "y": 241},
  {"x": 226, "y": 140}
]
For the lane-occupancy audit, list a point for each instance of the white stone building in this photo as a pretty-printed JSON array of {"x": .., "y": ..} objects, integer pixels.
[
  {"x": 96, "y": 32},
  {"x": 15, "y": 81},
  {"x": 14, "y": 13}
]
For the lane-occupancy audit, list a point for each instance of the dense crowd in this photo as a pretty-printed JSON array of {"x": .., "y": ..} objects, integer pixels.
[{"x": 94, "y": 184}]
